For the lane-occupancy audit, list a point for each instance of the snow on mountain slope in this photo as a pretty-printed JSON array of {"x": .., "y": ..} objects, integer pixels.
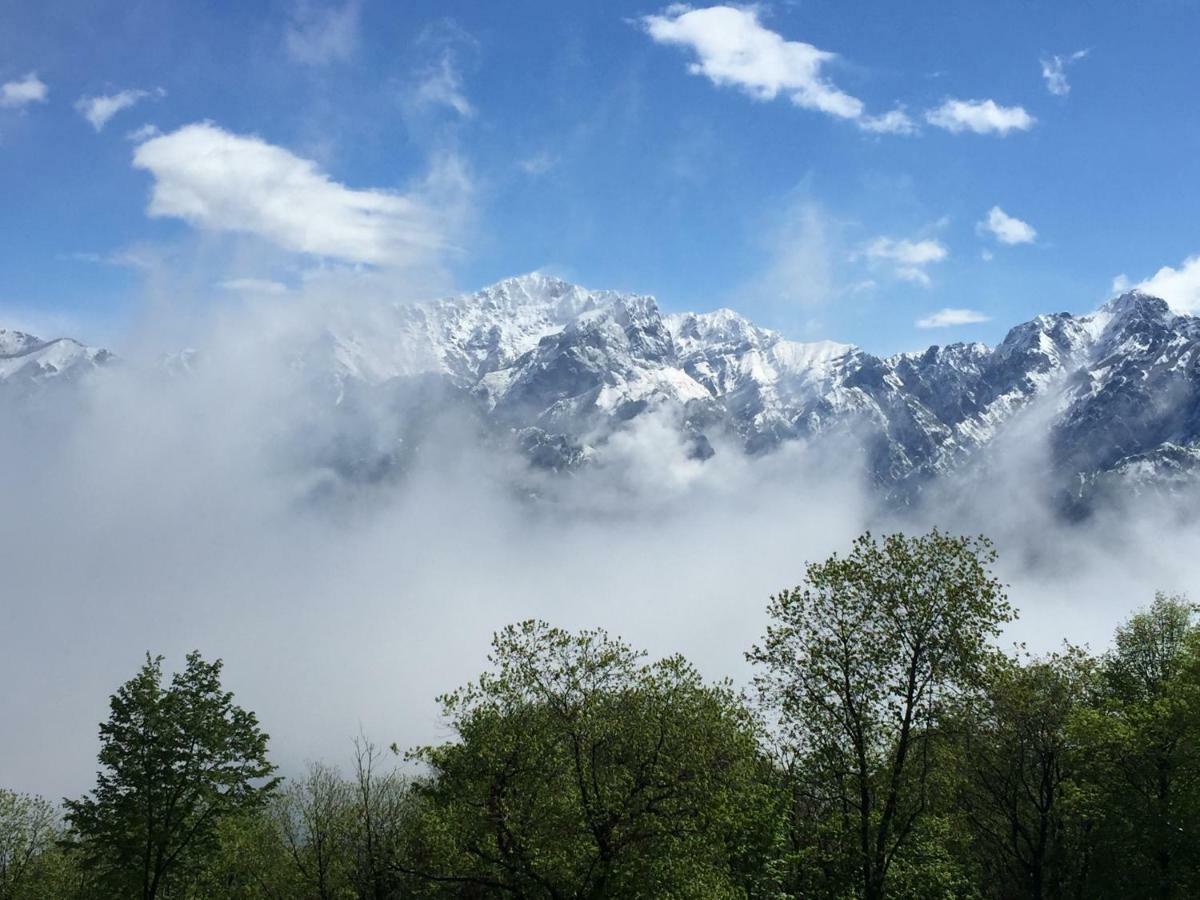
[
  {"x": 573, "y": 366},
  {"x": 27, "y": 360},
  {"x": 560, "y": 370}
]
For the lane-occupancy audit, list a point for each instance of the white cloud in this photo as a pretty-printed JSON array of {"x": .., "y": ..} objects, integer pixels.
[
  {"x": 30, "y": 89},
  {"x": 945, "y": 318},
  {"x": 441, "y": 85},
  {"x": 1007, "y": 229},
  {"x": 979, "y": 116},
  {"x": 896, "y": 121},
  {"x": 435, "y": 83},
  {"x": 98, "y": 110},
  {"x": 143, "y": 133},
  {"x": 1054, "y": 71},
  {"x": 317, "y": 35},
  {"x": 908, "y": 258},
  {"x": 217, "y": 180},
  {"x": 733, "y": 49},
  {"x": 1179, "y": 287}
]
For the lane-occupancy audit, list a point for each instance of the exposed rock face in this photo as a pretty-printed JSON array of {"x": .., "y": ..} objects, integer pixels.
[{"x": 560, "y": 369}]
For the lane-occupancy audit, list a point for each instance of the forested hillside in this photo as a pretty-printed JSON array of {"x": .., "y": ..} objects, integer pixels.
[{"x": 888, "y": 746}]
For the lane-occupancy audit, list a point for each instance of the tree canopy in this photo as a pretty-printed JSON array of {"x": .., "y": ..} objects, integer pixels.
[
  {"x": 176, "y": 760},
  {"x": 889, "y": 748}
]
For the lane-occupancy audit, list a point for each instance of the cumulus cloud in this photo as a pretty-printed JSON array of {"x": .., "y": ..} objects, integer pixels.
[
  {"x": 99, "y": 110},
  {"x": 908, "y": 258},
  {"x": 945, "y": 318},
  {"x": 734, "y": 49},
  {"x": 980, "y": 117},
  {"x": 1054, "y": 72},
  {"x": 317, "y": 34},
  {"x": 1179, "y": 287},
  {"x": 217, "y": 180},
  {"x": 16, "y": 94},
  {"x": 1007, "y": 229}
]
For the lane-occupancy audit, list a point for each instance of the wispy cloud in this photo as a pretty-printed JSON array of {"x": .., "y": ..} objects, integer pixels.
[
  {"x": 897, "y": 121},
  {"x": 22, "y": 92},
  {"x": 440, "y": 85},
  {"x": 799, "y": 271},
  {"x": 1007, "y": 229},
  {"x": 734, "y": 49},
  {"x": 437, "y": 80},
  {"x": 538, "y": 164},
  {"x": 142, "y": 133},
  {"x": 221, "y": 181},
  {"x": 907, "y": 258},
  {"x": 128, "y": 259},
  {"x": 945, "y": 318},
  {"x": 318, "y": 34},
  {"x": 980, "y": 117},
  {"x": 253, "y": 286},
  {"x": 1055, "y": 74},
  {"x": 99, "y": 110}
]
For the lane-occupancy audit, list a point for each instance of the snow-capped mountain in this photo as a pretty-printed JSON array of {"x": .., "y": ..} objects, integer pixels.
[
  {"x": 565, "y": 368},
  {"x": 1112, "y": 397},
  {"x": 29, "y": 361}
]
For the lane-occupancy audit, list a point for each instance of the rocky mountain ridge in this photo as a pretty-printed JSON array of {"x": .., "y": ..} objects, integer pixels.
[{"x": 561, "y": 369}]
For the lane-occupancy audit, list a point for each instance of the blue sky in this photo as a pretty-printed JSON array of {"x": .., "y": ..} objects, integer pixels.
[{"x": 874, "y": 172}]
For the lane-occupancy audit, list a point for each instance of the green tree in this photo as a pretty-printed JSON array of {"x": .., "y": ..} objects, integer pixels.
[
  {"x": 176, "y": 760},
  {"x": 380, "y": 805},
  {"x": 1019, "y": 766},
  {"x": 1141, "y": 736},
  {"x": 28, "y": 832},
  {"x": 857, "y": 664},
  {"x": 249, "y": 862},
  {"x": 579, "y": 771},
  {"x": 316, "y": 817}
]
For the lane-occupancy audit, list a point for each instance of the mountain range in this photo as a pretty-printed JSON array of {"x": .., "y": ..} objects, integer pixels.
[{"x": 1112, "y": 397}]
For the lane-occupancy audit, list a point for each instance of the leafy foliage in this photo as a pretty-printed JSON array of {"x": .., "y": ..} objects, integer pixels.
[
  {"x": 176, "y": 760},
  {"x": 1140, "y": 746},
  {"x": 28, "y": 832},
  {"x": 894, "y": 751},
  {"x": 582, "y": 771},
  {"x": 859, "y": 663}
]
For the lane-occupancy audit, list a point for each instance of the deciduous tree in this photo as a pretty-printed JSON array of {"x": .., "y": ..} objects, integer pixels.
[
  {"x": 176, "y": 760},
  {"x": 857, "y": 664}
]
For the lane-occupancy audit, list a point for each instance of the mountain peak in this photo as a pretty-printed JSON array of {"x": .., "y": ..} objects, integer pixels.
[
  {"x": 532, "y": 288},
  {"x": 537, "y": 355},
  {"x": 1137, "y": 303},
  {"x": 531, "y": 282}
]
